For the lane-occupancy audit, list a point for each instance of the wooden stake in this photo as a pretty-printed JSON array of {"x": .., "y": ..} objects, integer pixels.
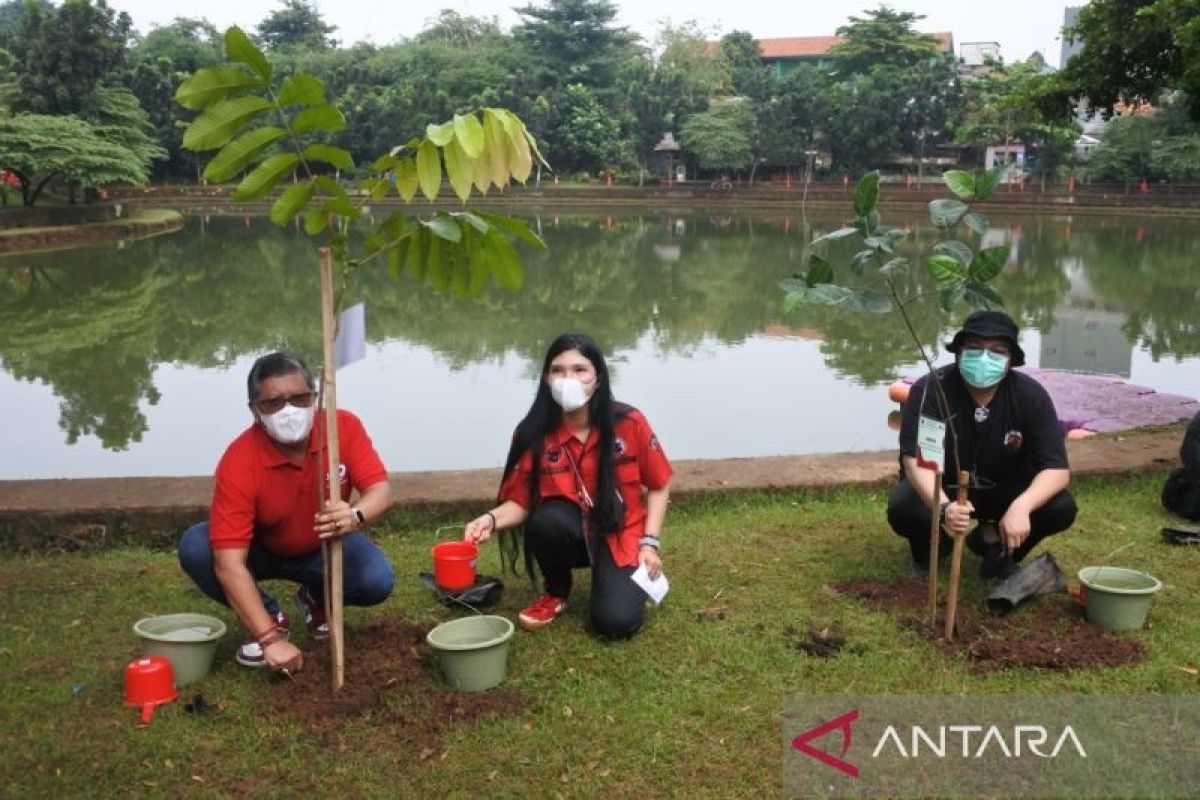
[
  {"x": 964, "y": 478},
  {"x": 935, "y": 541},
  {"x": 332, "y": 548}
]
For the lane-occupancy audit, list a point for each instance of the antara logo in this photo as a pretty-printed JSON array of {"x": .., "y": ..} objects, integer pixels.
[
  {"x": 967, "y": 741},
  {"x": 844, "y": 724}
]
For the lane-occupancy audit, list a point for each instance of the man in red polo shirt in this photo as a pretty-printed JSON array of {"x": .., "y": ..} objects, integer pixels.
[{"x": 266, "y": 521}]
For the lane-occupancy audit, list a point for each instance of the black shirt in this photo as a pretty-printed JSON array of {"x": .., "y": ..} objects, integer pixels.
[{"x": 1018, "y": 438}]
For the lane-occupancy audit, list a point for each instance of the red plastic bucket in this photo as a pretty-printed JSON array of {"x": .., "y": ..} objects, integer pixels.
[
  {"x": 149, "y": 683},
  {"x": 454, "y": 565}
]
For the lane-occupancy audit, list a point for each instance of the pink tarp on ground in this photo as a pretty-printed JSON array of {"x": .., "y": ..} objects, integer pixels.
[{"x": 1104, "y": 404}]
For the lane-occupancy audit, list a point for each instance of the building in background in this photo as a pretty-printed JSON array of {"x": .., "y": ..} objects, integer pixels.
[{"x": 1070, "y": 14}]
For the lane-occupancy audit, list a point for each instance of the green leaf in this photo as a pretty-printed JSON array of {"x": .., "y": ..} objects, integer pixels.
[
  {"x": 459, "y": 170},
  {"x": 221, "y": 122},
  {"x": 239, "y": 48},
  {"x": 504, "y": 262},
  {"x": 859, "y": 262},
  {"x": 988, "y": 263},
  {"x": 440, "y": 135},
  {"x": 395, "y": 259},
  {"x": 303, "y": 90},
  {"x": 329, "y": 154},
  {"x": 516, "y": 145},
  {"x": 315, "y": 222},
  {"x": 866, "y": 194},
  {"x": 947, "y": 298},
  {"x": 896, "y": 268},
  {"x": 832, "y": 236},
  {"x": 444, "y": 227},
  {"x": 385, "y": 163},
  {"x": 406, "y": 179},
  {"x": 208, "y": 85},
  {"x": 318, "y": 118},
  {"x": 945, "y": 270},
  {"x": 414, "y": 259},
  {"x": 429, "y": 170},
  {"x": 987, "y": 183},
  {"x": 820, "y": 271},
  {"x": 469, "y": 135},
  {"x": 435, "y": 267},
  {"x": 945, "y": 213},
  {"x": 474, "y": 220},
  {"x": 495, "y": 153},
  {"x": 959, "y": 251},
  {"x": 338, "y": 201},
  {"x": 960, "y": 182},
  {"x": 290, "y": 203},
  {"x": 516, "y": 228},
  {"x": 233, "y": 157},
  {"x": 976, "y": 222},
  {"x": 376, "y": 188},
  {"x": 980, "y": 295},
  {"x": 868, "y": 225},
  {"x": 266, "y": 176}
]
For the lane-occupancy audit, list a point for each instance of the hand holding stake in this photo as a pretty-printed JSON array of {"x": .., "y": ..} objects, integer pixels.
[{"x": 964, "y": 478}]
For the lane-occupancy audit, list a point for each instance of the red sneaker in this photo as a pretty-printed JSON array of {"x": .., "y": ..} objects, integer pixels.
[
  {"x": 542, "y": 612},
  {"x": 313, "y": 613}
]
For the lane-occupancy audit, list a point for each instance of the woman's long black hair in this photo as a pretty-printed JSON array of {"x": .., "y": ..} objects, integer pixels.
[{"x": 545, "y": 416}]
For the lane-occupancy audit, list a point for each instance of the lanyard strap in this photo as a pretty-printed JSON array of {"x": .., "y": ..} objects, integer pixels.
[{"x": 585, "y": 499}]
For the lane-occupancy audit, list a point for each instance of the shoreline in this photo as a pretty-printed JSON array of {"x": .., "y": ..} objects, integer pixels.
[{"x": 149, "y": 507}]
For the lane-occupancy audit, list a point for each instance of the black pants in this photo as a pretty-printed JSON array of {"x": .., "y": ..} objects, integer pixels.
[
  {"x": 909, "y": 517},
  {"x": 554, "y": 536}
]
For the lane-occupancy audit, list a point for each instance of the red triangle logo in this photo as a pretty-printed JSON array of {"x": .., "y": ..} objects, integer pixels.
[{"x": 844, "y": 723}]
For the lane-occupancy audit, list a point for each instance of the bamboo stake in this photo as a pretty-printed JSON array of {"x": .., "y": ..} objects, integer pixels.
[
  {"x": 332, "y": 549},
  {"x": 935, "y": 537},
  {"x": 964, "y": 478}
]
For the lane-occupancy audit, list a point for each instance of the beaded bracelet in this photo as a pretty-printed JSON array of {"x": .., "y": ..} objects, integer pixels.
[
  {"x": 493, "y": 517},
  {"x": 650, "y": 540},
  {"x": 269, "y": 638}
]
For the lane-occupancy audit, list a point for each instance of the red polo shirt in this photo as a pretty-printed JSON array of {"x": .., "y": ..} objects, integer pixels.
[
  {"x": 638, "y": 461},
  {"x": 261, "y": 495}
]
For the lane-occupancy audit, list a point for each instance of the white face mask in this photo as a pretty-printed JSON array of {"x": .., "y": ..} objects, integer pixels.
[
  {"x": 289, "y": 424},
  {"x": 570, "y": 393}
]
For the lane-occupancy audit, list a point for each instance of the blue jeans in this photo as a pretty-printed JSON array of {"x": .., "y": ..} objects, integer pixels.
[{"x": 367, "y": 577}]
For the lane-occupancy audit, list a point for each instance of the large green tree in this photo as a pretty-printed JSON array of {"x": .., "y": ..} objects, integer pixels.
[
  {"x": 1135, "y": 49},
  {"x": 63, "y": 55},
  {"x": 721, "y": 138},
  {"x": 881, "y": 38},
  {"x": 39, "y": 148},
  {"x": 297, "y": 25},
  {"x": 572, "y": 42}
]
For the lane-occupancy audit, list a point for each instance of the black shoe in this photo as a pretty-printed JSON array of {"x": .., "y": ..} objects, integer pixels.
[{"x": 996, "y": 563}]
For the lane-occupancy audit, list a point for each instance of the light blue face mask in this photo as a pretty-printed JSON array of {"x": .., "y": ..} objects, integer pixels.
[{"x": 981, "y": 368}]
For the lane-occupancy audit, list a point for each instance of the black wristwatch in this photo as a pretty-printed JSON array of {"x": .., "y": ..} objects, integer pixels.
[{"x": 359, "y": 515}]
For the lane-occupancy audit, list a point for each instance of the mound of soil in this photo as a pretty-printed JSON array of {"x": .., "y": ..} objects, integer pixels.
[
  {"x": 390, "y": 684},
  {"x": 1047, "y": 632}
]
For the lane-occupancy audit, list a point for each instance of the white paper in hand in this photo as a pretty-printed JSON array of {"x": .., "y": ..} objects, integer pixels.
[{"x": 657, "y": 588}]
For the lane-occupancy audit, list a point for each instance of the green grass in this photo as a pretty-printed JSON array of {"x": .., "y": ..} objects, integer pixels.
[{"x": 689, "y": 708}]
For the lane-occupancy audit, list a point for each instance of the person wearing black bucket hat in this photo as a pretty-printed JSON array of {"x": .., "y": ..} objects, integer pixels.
[{"x": 1007, "y": 438}]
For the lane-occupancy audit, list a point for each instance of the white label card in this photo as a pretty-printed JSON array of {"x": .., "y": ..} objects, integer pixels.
[{"x": 931, "y": 435}]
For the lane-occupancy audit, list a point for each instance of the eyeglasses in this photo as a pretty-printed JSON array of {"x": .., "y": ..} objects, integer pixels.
[{"x": 270, "y": 405}]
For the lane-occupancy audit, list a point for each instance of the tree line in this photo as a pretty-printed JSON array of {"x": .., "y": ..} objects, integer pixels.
[{"x": 85, "y": 100}]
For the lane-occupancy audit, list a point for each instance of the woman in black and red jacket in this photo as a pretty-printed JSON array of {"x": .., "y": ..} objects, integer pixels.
[{"x": 588, "y": 478}]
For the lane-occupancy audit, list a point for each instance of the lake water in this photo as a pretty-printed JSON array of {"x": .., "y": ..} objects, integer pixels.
[{"x": 132, "y": 360}]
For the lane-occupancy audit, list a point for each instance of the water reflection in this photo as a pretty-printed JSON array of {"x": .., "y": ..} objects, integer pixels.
[{"x": 95, "y": 325}]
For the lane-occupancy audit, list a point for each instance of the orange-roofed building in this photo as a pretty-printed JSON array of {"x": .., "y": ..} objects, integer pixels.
[{"x": 784, "y": 55}]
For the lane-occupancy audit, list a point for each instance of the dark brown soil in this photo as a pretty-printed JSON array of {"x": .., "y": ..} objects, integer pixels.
[
  {"x": 1046, "y": 633},
  {"x": 819, "y": 642},
  {"x": 390, "y": 685}
]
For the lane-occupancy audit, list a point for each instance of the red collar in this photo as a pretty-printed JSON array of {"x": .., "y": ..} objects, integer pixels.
[{"x": 562, "y": 436}]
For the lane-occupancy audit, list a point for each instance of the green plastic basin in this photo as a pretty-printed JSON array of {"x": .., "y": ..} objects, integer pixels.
[
  {"x": 1118, "y": 599},
  {"x": 472, "y": 652},
  {"x": 188, "y": 641}
]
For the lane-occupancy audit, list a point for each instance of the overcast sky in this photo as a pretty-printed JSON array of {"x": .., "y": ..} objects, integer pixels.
[{"x": 1020, "y": 26}]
